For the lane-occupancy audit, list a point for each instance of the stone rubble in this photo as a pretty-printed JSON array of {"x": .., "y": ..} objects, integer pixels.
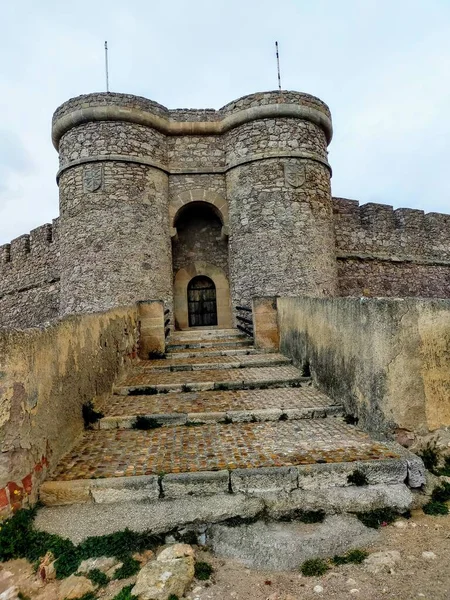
[{"x": 171, "y": 573}]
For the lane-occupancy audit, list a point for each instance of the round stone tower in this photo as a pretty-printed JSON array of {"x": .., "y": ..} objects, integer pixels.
[
  {"x": 279, "y": 194},
  {"x": 113, "y": 182},
  {"x": 152, "y": 199}
]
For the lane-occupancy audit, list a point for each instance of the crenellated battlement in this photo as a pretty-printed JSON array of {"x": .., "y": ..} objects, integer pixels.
[
  {"x": 403, "y": 233},
  {"x": 29, "y": 277},
  {"x": 33, "y": 244}
]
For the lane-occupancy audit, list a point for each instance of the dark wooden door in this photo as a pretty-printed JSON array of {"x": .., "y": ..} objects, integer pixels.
[{"x": 202, "y": 305}]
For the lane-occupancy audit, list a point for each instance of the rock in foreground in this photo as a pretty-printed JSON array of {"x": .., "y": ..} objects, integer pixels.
[{"x": 171, "y": 573}]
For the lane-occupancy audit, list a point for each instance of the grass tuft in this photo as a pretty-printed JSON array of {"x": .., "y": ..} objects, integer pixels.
[
  {"x": 18, "y": 539},
  {"x": 98, "y": 577},
  {"x": 435, "y": 508},
  {"x": 203, "y": 570},
  {"x": 314, "y": 567},
  {"x": 352, "y": 556},
  {"x": 125, "y": 594},
  {"x": 129, "y": 568}
]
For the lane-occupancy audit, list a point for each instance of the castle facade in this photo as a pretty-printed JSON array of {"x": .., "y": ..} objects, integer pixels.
[{"x": 205, "y": 209}]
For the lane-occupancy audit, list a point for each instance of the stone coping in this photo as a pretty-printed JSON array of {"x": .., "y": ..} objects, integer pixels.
[
  {"x": 250, "y": 482},
  {"x": 123, "y": 107}
]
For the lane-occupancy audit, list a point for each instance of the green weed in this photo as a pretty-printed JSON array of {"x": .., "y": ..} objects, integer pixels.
[
  {"x": 376, "y": 518},
  {"x": 145, "y": 423},
  {"x": 353, "y": 556},
  {"x": 90, "y": 415},
  {"x": 314, "y": 567},
  {"x": 203, "y": 570}
]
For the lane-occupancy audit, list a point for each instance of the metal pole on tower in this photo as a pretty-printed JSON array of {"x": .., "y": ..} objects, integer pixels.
[
  {"x": 278, "y": 66},
  {"x": 106, "y": 66}
]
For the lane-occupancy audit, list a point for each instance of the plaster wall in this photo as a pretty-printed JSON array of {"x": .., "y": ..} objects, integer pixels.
[
  {"x": 386, "y": 360},
  {"x": 46, "y": 375}
]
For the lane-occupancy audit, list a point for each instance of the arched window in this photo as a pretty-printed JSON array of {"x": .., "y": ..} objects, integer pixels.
[{"x": 202, "y": 305}]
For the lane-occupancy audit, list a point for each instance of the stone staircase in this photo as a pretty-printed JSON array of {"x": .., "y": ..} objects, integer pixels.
[{"x": 219, "y": 430}]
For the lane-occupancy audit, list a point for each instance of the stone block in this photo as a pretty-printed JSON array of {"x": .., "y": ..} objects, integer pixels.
[
  {"x": 203, "y": 483},
  {"x": 256, "y": 481},
  {"x": 57, "y": 493},
  {"x": 121, "y": 489}
]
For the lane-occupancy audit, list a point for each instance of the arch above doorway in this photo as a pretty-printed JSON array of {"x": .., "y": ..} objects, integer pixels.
[
  {"x": 180, "y": 294},
  {"x": 198, "y": 195}
]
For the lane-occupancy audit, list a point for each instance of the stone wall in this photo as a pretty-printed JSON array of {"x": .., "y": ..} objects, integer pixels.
[
  {"x": 386, "y": 252},
  {"x": 386, "y": 360},
  {"x": 199, "y": 238},
  {"x": 29, "y": 278},
  {"x": 46, "y": 375}
]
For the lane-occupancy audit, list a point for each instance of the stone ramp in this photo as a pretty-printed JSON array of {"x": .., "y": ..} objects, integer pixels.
[
  {"x": 216, "y": 443},
  {"x": 222, "y": 406},
  {"x": 215, "y": 446},
  {"x": 140, "y": 381},
  {"x": 200, "y": 363}
]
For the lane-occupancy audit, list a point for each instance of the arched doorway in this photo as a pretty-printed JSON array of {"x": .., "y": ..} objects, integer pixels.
[{"x": 202, "y": 303}]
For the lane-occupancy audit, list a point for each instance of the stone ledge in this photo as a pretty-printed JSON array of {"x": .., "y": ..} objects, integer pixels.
[
  {"x": 80, "y": 521},
  {"x": 139, "y": 116},
  {"x": 234, "y": 416},
  {"x": 204, "y": 483},
  {"x": 416, "y": 260}
]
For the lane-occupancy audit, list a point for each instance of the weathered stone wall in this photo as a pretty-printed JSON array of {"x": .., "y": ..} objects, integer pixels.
[
  {"x": 281, "y": 231},
  {"x": 29, "y": 278},
  {"x": 115, "y": 242},
  {"x": 199, "y": 239},
  {"x": 386, "y": 360},
  {"x": 46, "y": 375},
  {"x": 386, "y": 252}
]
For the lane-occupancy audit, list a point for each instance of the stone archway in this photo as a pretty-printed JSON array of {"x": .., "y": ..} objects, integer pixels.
[
  {"x": 180, "y": 294},
  {"x": 217, "y": 202}
]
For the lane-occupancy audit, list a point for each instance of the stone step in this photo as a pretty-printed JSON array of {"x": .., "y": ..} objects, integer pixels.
[
  {"x": 242, "y": 458},
  {"x": 220, "y": 344},
  {"x": 214, "y": 351},
  {"x": 199, "y": 363},
  {"x": 140, "y": 382},
  {"x": 204, "y": 334},
  {"x": 277, "y": 404}
]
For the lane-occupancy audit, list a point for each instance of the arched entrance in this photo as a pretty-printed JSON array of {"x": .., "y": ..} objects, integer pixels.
[
  {"x": 202, "y": 303},
  {"x": 201, "y": 295}
]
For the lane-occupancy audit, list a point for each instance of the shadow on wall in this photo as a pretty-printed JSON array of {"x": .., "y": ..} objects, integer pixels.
[{"x": 386, "y": 360}]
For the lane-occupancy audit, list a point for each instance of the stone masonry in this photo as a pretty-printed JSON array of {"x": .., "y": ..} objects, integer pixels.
[{"x": 128, "y": 169}]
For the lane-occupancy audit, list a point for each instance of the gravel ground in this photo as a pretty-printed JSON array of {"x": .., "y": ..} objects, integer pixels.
[{"x": 413, "y": 577}]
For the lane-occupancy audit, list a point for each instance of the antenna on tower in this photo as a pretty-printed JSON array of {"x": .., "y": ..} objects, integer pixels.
[
  {"x": 106, "y": 66},
  {"x": 278, "y": 67}
]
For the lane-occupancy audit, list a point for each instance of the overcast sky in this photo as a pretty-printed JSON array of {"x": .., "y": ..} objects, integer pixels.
[{"x": 383, "y": 67}]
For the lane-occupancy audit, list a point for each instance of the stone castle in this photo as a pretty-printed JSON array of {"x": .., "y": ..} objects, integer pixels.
[
  {"x": 155, "y": 203},
  {"x": 182, "y": 345}
]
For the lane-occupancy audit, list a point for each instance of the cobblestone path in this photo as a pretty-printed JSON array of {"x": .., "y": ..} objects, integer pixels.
[{"x": 275, "y": 423}]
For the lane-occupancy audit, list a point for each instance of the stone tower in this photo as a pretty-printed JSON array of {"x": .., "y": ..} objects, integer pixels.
[{"x": 152, "y": 200}]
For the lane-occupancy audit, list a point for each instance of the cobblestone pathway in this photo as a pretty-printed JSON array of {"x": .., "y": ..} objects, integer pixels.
[
  {"x": 213, "y": 447},
  {"x": 209, "y": 446},
  {"x": 217, "y": 401}
]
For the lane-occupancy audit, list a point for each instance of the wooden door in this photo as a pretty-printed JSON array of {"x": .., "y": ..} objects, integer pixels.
[{"x": 202, "y": 305}]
